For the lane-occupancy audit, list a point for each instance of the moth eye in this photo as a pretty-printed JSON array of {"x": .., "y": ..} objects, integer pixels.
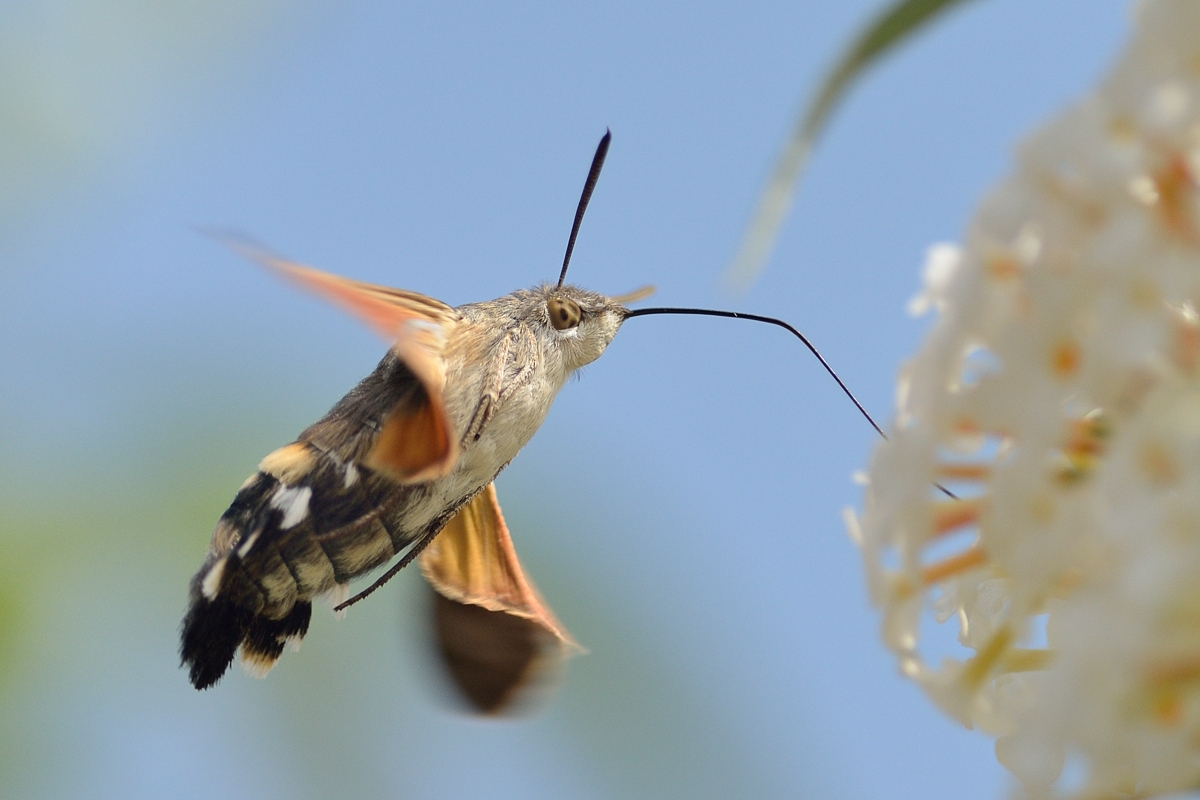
[{"x": 564, "y": 313}]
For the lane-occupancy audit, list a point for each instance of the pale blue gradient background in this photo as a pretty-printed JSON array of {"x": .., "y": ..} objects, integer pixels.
[{"x": 681, "y": 506}]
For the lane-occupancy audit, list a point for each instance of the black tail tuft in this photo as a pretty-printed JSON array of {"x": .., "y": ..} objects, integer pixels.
[{"x": 212, "y": 631}]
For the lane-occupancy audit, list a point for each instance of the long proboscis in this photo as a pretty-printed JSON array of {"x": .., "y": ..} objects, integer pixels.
[
  {"x": 709, "y": 312},
  {"x": 645, "y": 312}
]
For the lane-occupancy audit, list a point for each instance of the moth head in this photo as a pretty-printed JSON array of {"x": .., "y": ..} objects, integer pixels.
[{"x": 579, "y": 324}]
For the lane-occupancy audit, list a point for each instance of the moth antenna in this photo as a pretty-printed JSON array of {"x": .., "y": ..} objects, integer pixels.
[
  {"x": 708, "y": 312},
  {"x": 588, "y": 187}
]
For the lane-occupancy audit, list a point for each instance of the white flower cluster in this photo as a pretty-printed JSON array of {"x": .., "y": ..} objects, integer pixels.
[{"x": 1058, "y": 397}]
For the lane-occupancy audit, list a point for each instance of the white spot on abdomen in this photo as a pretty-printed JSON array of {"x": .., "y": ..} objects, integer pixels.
[
  {"x": 248, "y": 544},
  {"x": 293, "y": 502},
  {"x": 212, "y": 581}
]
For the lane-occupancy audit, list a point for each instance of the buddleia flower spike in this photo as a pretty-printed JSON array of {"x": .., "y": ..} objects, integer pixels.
[{"x": 1058, "y": 394}]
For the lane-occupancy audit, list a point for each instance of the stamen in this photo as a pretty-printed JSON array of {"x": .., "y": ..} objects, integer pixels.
[
  {"x": 1064, "y": 361},
  {"x": 1173, "y": 673},
  {"x": 1004, "y": 267},
  {"x": 966, "y": 426},
  {"x": 1026, "y": 659},
  {"x": 1070, "y": 580},
  {"x": 1085, "y": 444},
  {"x": 1175, "y": 186},
  {"x": 951, "y": 515},
  {"x": 1168, "y": 709},
  {"x": 1075, "y": 467},
  {"x": 1158, "y": 464},
  {"x": 964, "y": 472},
  {"x": 1187, "y": 340},
  {"x": 1088, "y": 434},
  {"x": 971, "y": 558},
  {"x": 977, "y": 668}
]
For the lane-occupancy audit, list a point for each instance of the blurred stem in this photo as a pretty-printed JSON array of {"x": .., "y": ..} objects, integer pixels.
[{"x": 897, "y": 23}]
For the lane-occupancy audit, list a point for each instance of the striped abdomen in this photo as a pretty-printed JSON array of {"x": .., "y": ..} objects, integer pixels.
[
  {"x": 305, "y": 525},
  {"x": 309, "y": 521}
]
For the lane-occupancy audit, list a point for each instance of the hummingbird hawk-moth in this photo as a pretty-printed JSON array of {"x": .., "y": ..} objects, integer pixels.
[{"x": 404, "y": 465}]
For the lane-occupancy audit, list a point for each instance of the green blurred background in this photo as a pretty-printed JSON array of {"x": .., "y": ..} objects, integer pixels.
[{"x": 679, "y": 509}]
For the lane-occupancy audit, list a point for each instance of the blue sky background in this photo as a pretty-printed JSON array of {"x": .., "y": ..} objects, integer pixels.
[{"x": 680, "y": 508}]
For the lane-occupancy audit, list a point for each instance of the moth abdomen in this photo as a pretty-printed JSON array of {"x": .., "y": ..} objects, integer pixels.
[{"x": 304, "y": 525}]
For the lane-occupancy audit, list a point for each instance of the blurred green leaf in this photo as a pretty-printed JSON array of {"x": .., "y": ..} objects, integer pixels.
[
  {"x": 897, "y": 23},
  {"x": 8, "y": 630}
]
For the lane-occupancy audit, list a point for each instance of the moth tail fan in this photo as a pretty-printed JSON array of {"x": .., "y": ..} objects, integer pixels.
[
  {"x": 212, "y": 632},
  {"x": 215, "y": 629}
]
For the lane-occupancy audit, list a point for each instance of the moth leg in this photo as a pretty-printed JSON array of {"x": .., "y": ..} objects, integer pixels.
[
  {"x": 499, "y": 385},
  {"x": 491, "y": 391},
  {"x": 528, "y": 357},
  {"x": 483, "y": 413}
]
